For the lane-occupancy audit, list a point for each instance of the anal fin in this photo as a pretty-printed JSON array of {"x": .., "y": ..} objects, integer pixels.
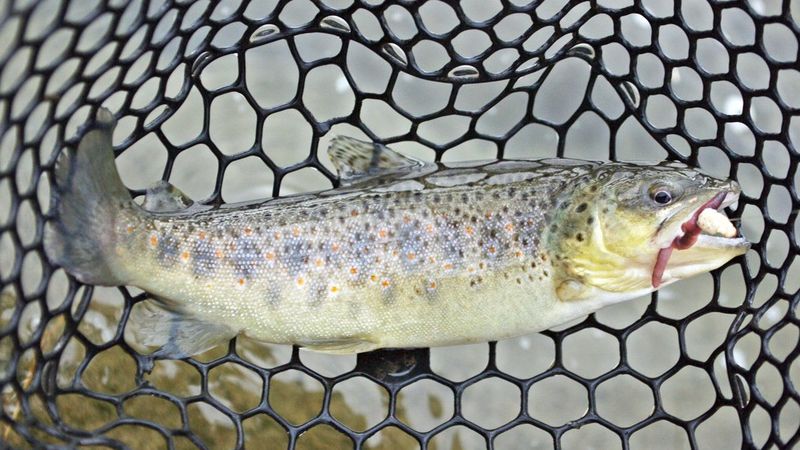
[{"x": 178, "y": 334}]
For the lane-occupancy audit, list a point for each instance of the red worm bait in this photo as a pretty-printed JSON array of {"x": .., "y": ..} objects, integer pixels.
[{"x": 690, "y": 233}]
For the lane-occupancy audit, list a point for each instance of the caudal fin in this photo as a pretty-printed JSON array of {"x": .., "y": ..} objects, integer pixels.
[{"x": 87, "y": 197}]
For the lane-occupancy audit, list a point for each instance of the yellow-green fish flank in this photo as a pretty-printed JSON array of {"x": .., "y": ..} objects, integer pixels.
[{"x": 404, "y": 254}]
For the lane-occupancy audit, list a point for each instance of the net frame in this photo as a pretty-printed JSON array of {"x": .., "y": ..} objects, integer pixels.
[{"x": 37, "y": 118}]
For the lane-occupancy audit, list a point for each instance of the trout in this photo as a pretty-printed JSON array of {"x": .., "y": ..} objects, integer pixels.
[{"x": 403, "y": 253}]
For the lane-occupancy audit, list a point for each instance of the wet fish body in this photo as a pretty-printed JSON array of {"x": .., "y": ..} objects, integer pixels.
[{"x": 404, "y": 254}]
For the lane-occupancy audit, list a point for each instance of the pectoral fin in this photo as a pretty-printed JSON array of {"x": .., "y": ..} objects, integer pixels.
[
  {"x": 178, "y": 334},
  {"x": 342, "y": 346},
  {"x": 164, "y": 197},
  {"x": 355, "y": 159}
]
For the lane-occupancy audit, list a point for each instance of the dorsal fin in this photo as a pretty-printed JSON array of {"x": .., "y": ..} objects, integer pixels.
[
  {"x": 164, "y": 197},
  {"x": 355, "y": 159}
]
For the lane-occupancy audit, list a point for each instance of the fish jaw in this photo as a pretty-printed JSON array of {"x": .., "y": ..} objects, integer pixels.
[{"x": 686, "y": 249}]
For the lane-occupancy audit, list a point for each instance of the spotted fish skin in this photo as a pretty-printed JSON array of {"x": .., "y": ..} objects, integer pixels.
[
  {"x": 404, "y": 254},
  {"x": 397, "y": 263}
]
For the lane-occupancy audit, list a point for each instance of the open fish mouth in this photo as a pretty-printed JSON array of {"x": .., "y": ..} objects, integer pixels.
[{"x": 706, "y": 228}]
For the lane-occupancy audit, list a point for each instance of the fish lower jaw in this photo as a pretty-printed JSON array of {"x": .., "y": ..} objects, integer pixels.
[{"x": 713, "y": 241}]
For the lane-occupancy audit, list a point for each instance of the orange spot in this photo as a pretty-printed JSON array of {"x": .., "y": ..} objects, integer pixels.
[
  {"x": 354, "y": 213},
  {"x": 469, "y": 230},
  {"x": 510, "y": 227},
  {"x": 185, "y": 255},
  {"x": 488, "y": 215},
  {"x": 270, "y": 256},
  {"x": 241, "y": 281},
  {"x": 518, "y": 254},
  {"x": 395, "y": 253},
  {"x": 406, "y": 219},
  {"x": 335, "y": 247},
  {"x": 219, "y": 253},
  {"x": 334, "y": 289},
  {"x": 385, "y": 283},
  {"x": 319, "y": 262},
  {"x": 301, "y": 281},
  {"x": 411, "y": 256},
  {"x": 429, "y": 228},
  {"x": 492, "y": 250},
  {"x": 296, "y": 231},
  {"x": 382, "y": 234},
  {"x": 353, "y": 270},
  {"x": 153, "y": 240},
  {"x": 277, "y": 236},
  {"x": 432, "y": 285},
  {"x": 373, "y": 278},
  {"x": 201, "y": 235},
  {"x": 448, "y": 266},
  {"x": 129, "y": 229},
  {"x": 248, "y": 231},
  {"x": 431, "y": 259}
]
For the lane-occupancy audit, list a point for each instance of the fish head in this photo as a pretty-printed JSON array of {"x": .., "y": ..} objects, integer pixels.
[{"x": 641, "y": 228}]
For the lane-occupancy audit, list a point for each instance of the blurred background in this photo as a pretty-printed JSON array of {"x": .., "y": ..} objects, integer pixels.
[{"x": 235, "y": 101}]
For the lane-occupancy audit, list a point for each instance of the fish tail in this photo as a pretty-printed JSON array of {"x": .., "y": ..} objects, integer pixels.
[{"x": 88, "y": 196}]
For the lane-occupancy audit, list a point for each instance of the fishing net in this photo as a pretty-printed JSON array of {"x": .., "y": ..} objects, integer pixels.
[{"x": 236, "y": 100}]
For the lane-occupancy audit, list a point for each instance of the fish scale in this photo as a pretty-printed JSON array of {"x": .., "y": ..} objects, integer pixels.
[{"x": 403, "y": 254}]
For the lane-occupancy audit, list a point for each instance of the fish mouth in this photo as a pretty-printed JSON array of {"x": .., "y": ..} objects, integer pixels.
[{"x": 704, "y": 240}]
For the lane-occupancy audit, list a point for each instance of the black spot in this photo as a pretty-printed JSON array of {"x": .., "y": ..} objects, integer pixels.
[
  {"x": 581, "y": 208},
  {"x": 579, "y": 237},
  {"x": 519, "y": 281},
  {"x": 590, "y": 220}
]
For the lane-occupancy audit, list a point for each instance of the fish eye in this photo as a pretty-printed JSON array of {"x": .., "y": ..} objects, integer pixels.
[{"x": 662, "y": 197}]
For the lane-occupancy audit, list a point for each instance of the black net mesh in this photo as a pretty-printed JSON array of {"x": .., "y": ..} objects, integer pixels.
[{"x": 238, "y": 100}]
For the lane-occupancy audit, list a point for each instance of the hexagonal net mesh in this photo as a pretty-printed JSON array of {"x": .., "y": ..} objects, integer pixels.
[{"x": 236, "y": 100}]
